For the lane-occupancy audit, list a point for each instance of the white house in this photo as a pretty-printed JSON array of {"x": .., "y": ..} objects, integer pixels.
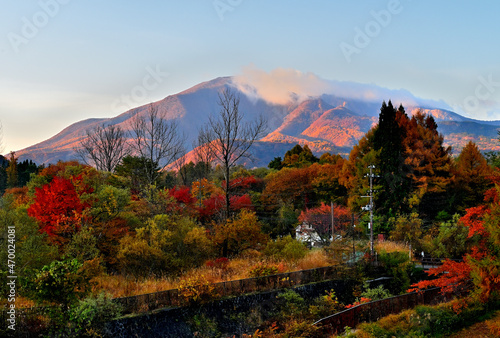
[{"x": 306, "y": 233}]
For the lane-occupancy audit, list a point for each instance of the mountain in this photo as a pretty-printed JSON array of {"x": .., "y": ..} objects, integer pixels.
[{"x": 327, "y": 122}]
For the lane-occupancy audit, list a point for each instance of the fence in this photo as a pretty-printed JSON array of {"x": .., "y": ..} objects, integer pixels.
[
  {"x": 433, "y": 262},
  {"x": 375, "y": 310},
  {"x": 152, "y": 301}
]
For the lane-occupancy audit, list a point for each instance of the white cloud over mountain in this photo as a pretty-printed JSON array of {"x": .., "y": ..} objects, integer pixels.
[{"x": 282, "y": 86}]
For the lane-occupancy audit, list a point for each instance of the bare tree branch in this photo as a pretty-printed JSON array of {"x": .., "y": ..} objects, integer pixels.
[
  {"x": 157, "y": 140},
  {"x": 228, "y": 138},
  {"x": 203, "y": 157},
  {"x": 104, "y": 147}
]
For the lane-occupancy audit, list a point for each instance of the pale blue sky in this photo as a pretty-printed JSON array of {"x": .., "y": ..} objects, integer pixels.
[{"x": 66, "y": 60}]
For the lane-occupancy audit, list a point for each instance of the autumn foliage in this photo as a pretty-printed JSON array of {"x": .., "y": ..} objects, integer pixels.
[
  {"x": 58, "y": 208},
  {"x": 321, "y": 218},
  {"x": 480, "y": 268}
]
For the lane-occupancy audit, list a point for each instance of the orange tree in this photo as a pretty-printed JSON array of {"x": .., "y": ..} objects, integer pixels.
[
  {"x": 471, "y": 173},
  {"x": 240, "y": 233},
  {"x": 480, "y": 268}
]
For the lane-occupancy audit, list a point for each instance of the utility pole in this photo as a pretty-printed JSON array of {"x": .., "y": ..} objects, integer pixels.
[
  {"x": 333, "y": 220},
  {"x": 353, "y": 247},
  {"x": 371, "y": 175}
]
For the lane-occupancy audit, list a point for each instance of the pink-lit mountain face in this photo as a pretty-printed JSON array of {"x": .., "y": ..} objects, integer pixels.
[{"x": 328, "y": 123}]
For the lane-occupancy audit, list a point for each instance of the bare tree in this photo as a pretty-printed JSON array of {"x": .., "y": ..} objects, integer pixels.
[
  {"x": 203, "y": 157},
  {"x": 228, "y": 138},
  {"x": 157, "y": 140},
  {"x": 104, "y": 147}
]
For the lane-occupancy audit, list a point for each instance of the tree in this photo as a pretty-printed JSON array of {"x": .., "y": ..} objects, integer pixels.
[
  {"x": 25, "y": 169},
  {"x": 12, "y": 171},
  {"x": 326, "y": 183},
  {"x": 58, "y": 209},
  {"x": 32, "y": 248},
  {"x": 320, "y": 218},
  {"x": 241, "y": 233},
  {"x": 204, "y": 157},
  {"x": 135, "y": 169},
  {"x": 481, "y": 264},
  {"x": 299, "y": 156},
  {"x": 157, "y": 140},
  {"x": 276, "y": 163},
  {"x": 472, "y": 174},
  {"x": 104, "y": 146},
  {"x": 407, "y": 229},
  {"x": 290, "y": 186},
  {"x": 166, "y": 244},
  {"x": 355, "y": 169},
  {"x": 388, "y": 141},
  {"x": 228, "y": 138},
  {"x": 430, "y": 164}
]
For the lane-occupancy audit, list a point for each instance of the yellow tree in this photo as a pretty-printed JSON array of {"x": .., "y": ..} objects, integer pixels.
[
  {"x": 429, "y": 163},
  {"x": 12, "y": 171},
  {"x": 472, "y": 177}
]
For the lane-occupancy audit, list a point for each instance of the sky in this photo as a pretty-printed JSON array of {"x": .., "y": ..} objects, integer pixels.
[{"x": 62, "y": 61}]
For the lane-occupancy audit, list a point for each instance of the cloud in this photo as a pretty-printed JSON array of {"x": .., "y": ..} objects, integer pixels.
[{"x": 282, "y": 86}]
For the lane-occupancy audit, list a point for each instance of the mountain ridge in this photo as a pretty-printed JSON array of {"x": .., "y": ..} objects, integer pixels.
[{"x": 326, "y": 122}]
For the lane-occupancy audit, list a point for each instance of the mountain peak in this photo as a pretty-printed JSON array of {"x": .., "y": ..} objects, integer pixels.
[{"x": 327, "y": 122}]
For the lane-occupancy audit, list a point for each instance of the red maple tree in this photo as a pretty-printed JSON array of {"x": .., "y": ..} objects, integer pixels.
[{"x": 59, "y": 209}]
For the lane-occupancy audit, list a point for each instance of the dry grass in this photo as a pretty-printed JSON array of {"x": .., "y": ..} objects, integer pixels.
[
  {"x": 121, "y": 286},
  {"x": 316, "y": 258},
  {"x": 238, "y": 268},
  {"x": 389, "y": 246}
]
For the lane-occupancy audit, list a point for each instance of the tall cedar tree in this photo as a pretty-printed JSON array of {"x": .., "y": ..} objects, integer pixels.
[
  {"x": 388, "y": 141},
  {"x": 429, "y": 163}
]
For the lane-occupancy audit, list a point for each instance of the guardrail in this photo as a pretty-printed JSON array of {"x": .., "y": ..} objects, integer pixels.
[
  {"x": 168, "y": 298},
  {"x": 373, "y": 311}
]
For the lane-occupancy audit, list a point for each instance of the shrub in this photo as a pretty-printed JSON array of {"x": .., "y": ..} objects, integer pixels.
[
  {"x": 263, "y": 269},
  {"x": 61, "y": 282},
  {"x": 397, "y": 264},
  {"x": 376, "y": 293},
  {"x": 325, "y": 305},
  {"x": 203, "y": 326},
  {"x": 290, "y": 303},
  {"x": 239, "y": 234},
  {"x": 494, "y": 325},
  {"x": 90, "y": 316},
  {"x": 197, "y": 290},
  {"x": 286, "y": 248},
  {"x": 300, "y": 328},
  {"x": 424, "y": 321}
]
